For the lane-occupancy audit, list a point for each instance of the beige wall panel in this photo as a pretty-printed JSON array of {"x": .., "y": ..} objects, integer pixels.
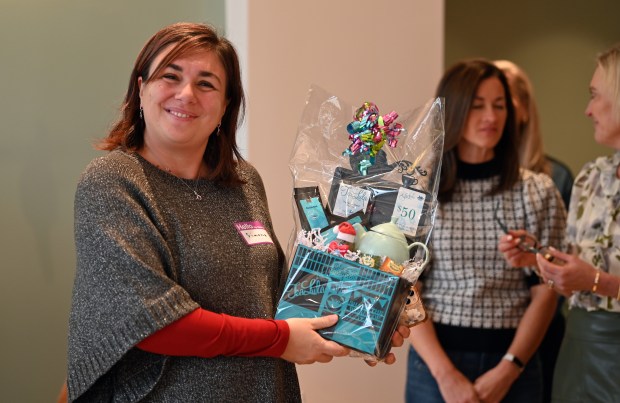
[{"x": 387, "y": 52}]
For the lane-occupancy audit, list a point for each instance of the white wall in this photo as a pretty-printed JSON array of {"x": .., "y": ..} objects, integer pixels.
[{"x": 389, "y": 52}]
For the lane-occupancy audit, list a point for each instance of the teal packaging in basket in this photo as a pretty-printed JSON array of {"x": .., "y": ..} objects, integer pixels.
[{"x": 367, "y": 301}]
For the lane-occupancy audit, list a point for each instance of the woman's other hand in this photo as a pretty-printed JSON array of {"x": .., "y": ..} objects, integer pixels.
[
  {"x": 306, "y": 346},
  {"x": 493, "y": 385},
  {"x": 455, "y": 387},
  {"x": 398, "y": 339},
  {"x": 573, "y": 274}
]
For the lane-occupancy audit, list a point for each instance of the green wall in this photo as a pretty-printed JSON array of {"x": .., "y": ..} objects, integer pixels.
[
  {"x": 64, "y": 70},
  {"x": 556, "y": 42}
]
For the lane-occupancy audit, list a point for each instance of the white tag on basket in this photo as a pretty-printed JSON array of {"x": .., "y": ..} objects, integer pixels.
[
  {"x": 408, "y": 209},
  {"x": 350, "y": 200}
]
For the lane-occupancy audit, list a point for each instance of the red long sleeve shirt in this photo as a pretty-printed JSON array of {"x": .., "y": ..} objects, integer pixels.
[{"x": 208, "y": 334}]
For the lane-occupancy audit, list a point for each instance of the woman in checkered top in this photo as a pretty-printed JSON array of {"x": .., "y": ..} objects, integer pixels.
[{"x": 487, "y": 315}]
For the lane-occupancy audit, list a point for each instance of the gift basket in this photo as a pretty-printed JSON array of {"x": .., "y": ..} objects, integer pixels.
[{"x": 365, "y": 187}]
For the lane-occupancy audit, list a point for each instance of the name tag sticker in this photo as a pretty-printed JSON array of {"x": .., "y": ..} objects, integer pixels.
[{"x": 253, "y": 233}]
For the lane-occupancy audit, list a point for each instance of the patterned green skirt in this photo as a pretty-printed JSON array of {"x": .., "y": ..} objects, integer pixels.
[{"x": 588, "y": 367}]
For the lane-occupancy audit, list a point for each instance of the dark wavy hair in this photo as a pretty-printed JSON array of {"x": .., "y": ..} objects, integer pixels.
[
  {"x": 222, "y": 153},
  {"x": 458, "y": 86}
]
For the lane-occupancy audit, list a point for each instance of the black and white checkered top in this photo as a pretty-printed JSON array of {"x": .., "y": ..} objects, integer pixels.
[{"x": 469, "y": 284}]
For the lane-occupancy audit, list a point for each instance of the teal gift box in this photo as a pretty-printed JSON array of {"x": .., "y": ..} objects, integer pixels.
[{"x": 367, "y": 301}]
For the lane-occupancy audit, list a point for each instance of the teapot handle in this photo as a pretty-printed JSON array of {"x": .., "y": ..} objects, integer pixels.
[{"x": 426, "y": 253}]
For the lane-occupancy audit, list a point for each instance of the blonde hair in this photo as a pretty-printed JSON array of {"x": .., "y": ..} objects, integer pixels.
[
  {"x": 529, "y": 138},
  {"x": 609, "y": 61}
]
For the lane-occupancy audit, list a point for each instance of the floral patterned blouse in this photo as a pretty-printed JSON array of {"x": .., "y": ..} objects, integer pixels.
[{"x": 594, "y": 225}]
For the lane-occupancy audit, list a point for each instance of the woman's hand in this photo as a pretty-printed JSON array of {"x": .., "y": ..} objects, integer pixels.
[
  {"x": 455, "y": 387},
  {"x": 494, "y": 384},
  {"x": 306, "y": 346},
  {"x": 574, "y": 274},
  {"x": 398, "y": 339},
  {"x": 509, "y": 247},
  {"x": 400, "y": 335}
]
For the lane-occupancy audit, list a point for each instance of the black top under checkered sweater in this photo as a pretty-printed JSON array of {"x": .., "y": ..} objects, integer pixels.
[{"x": 472, "y": 295}]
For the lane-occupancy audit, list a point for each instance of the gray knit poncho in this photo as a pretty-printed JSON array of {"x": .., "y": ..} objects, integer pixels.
[{"x": 148, "y": 253}]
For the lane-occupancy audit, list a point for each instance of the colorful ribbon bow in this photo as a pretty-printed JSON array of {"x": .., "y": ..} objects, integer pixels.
[{"x": 369, "y": 132}]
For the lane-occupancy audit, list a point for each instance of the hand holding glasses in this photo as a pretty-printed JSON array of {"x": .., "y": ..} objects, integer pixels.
[{"x": 527, "y": 243}]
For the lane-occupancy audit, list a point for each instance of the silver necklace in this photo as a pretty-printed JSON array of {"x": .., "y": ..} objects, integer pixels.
[{"x": 198, "y": 195}]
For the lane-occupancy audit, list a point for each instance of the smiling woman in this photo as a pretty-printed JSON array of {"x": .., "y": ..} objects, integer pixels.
[
  {"x": 602, "y": 109},
  {"x": 185, "y": 83},
  {"x": 182, "y": 106},
  {"x": 172, "y": 300},
  {"x": 587, "y": 367}
]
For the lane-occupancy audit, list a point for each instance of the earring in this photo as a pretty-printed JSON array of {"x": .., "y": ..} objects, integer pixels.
[
  {"x": 218, "y": 128},
  {"x": 141, "y": 113}
]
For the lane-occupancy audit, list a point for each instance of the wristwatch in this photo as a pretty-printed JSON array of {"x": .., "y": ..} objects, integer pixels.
[{"x": 515, "y": 360}]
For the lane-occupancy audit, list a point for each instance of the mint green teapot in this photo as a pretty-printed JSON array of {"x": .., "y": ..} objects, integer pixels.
[{"x": 386, "y": 240}]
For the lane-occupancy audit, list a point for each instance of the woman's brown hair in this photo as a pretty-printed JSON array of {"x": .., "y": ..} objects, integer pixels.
[
  {"x": 529, "y": 137},
  {"x": 458, "y": 87},
  {"x": 222, "y": 152}
]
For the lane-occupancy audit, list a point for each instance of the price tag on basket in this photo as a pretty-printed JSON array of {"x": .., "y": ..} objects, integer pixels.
[{"x": 408, "y": 208}]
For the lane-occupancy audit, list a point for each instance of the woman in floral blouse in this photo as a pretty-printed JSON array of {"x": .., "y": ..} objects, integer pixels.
[{"x": 588, "y": 368}]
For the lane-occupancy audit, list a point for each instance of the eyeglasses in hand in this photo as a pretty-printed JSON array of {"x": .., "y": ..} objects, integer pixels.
[{"x": 527, "y": 243}]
